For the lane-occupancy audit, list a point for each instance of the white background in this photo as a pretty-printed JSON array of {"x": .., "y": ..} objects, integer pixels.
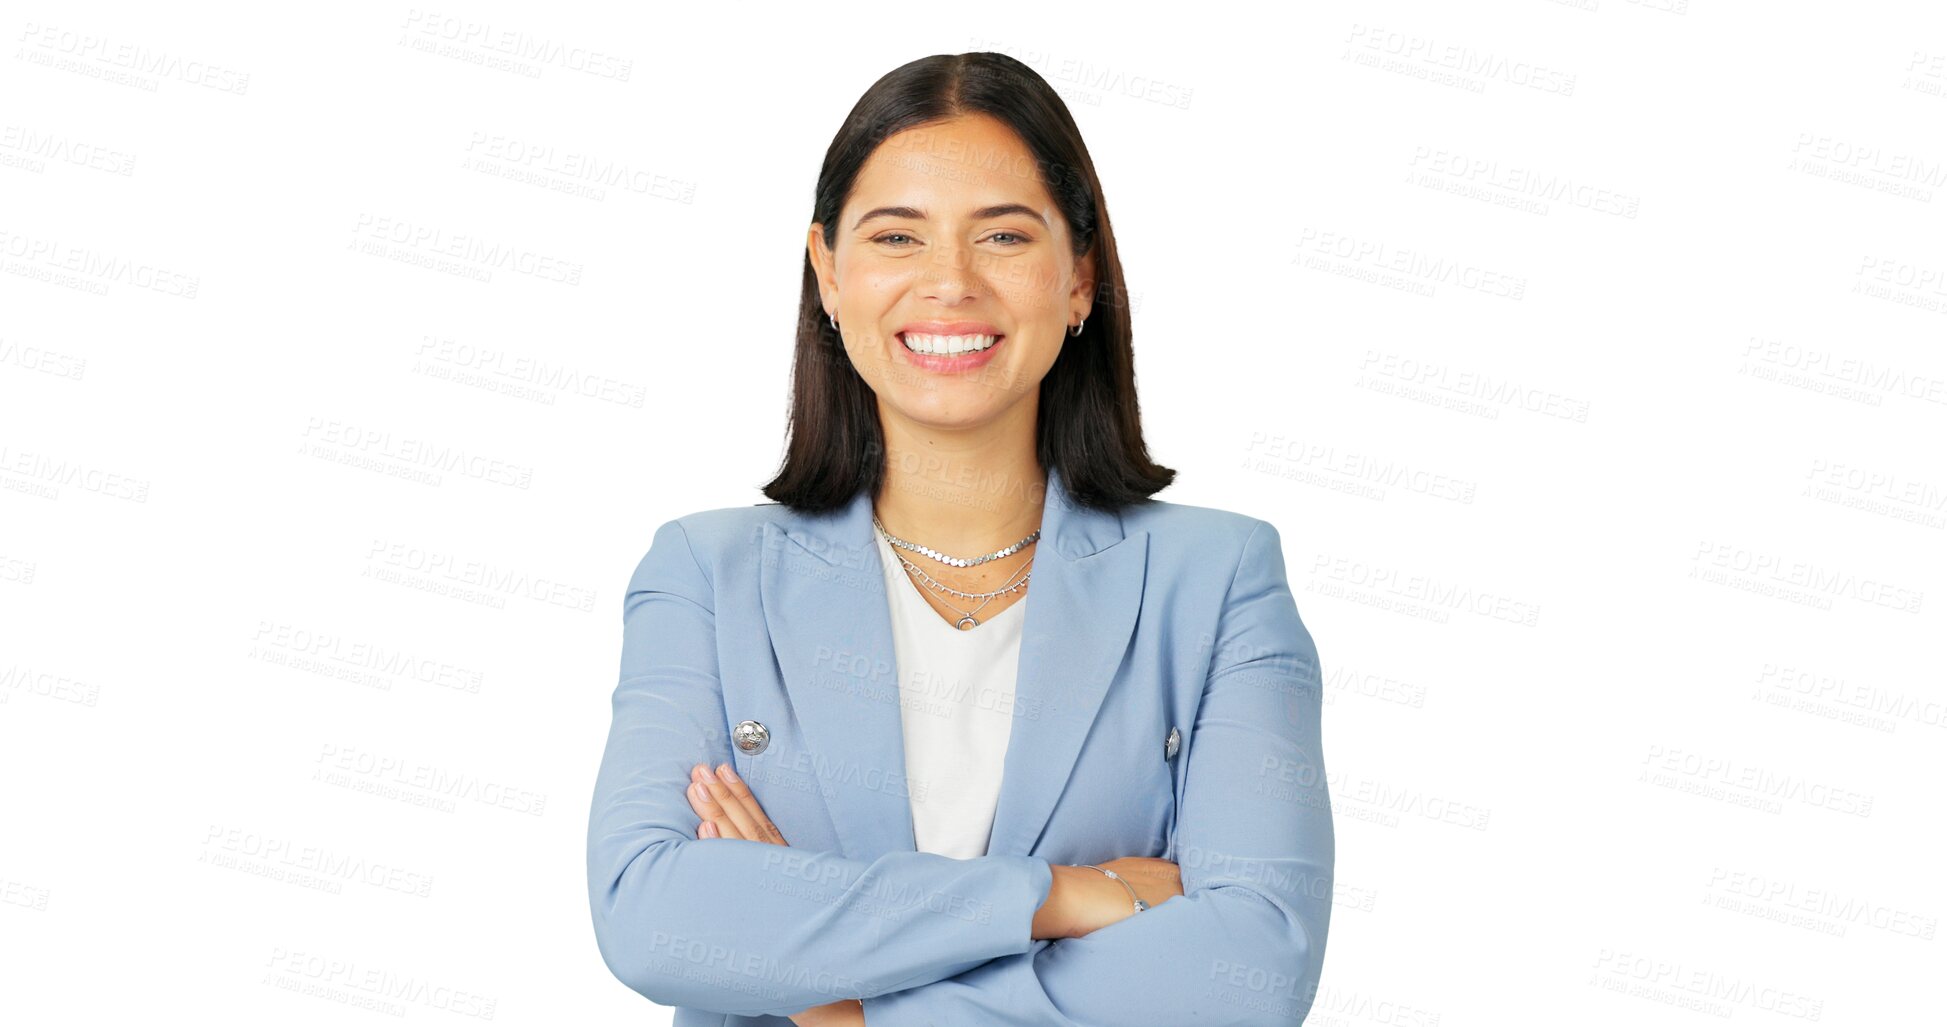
[{"x": 1588, "y": 358}]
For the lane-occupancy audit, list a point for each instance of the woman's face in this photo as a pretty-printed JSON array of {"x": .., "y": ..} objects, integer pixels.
[{"x": 950, "y": 240}]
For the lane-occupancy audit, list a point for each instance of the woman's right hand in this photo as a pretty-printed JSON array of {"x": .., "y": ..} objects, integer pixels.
[
  {"x": 1082, "y": 900},
  {"x": 726, "y": 808}
]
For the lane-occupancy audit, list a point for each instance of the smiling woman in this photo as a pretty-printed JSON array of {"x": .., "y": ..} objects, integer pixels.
[{"x": 858, "y": 773}]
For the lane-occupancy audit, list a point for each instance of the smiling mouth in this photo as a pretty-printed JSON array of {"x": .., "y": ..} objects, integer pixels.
[{"x": 930, "y": 345}]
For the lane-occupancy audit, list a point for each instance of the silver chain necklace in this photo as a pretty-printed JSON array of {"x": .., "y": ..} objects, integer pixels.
[
  {"x": 953, "y": 561},
  {"x": 967, "y": 619},
  {"x": 940, "y": 586}
]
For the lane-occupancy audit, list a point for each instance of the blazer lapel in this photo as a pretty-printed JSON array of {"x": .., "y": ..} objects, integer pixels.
[
  {"x": 825, "y": 602},
  {"x": 1085, "y": 590}
]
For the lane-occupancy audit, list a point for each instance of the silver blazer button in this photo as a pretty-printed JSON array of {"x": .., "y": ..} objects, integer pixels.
[
  {"x": 751, "y": 737},
  {"x": 1172, "y": 743}
]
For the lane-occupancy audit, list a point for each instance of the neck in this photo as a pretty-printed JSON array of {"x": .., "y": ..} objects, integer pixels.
[{"x": 963, "y": 493}]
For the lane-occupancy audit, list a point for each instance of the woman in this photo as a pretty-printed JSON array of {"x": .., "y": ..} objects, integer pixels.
[{"x": 965, "y": 728}]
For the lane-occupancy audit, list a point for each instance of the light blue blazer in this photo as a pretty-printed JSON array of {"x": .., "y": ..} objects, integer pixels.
[{"x": 1167, "y": 704}]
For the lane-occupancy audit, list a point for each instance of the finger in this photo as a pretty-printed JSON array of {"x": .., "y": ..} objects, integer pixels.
[
  {"x": 733, "y": 807},
  {"x": 707, "y": 805},
  {"x": 700, "y": 803},
  {"x": 724, "y": 808},
  {"x": 705, "y": 827},
  {"x": 689, "y": 792},
  {"x": 766, "y": 831},
  {"x": 712, "y": 810}
]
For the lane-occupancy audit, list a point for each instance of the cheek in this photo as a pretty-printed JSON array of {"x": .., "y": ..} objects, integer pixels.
[
  {"x": 1042, "y": 356},
  {"x": 878, "y": 277},
  {"x": 1037, "y": 292}
]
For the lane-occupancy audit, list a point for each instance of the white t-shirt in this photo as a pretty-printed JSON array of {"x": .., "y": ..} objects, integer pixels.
[{"x": 956, "y": 706}]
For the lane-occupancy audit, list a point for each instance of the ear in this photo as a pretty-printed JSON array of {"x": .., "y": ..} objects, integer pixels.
[
  {"x": 1084, "y": 290},
  {"x": 824, "y": 266}
]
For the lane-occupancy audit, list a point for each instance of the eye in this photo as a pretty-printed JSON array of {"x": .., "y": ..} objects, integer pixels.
[
  {"x": 890, "y": 236},
  {"x": 1020, "y": 240}
]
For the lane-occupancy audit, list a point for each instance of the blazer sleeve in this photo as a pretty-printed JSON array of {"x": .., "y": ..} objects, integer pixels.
[
  {"x": 744, "y": 927},
  {"x": 1244, "y": 944}
]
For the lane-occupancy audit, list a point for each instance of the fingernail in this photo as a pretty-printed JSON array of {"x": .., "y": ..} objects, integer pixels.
[
  {"x": 728, "y": 774},
  {"x": 709, "y": 829},
  {"x": 696, "y": 791}
]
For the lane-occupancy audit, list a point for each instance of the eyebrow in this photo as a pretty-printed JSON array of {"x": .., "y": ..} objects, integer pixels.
[{"x": 984, "y": 213}]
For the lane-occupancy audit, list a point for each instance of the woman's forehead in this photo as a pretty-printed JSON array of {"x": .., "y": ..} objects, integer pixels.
[{"x": 944, "y": 177}]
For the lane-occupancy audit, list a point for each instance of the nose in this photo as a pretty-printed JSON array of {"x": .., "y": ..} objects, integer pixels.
[{"x": 951, "y": 275}]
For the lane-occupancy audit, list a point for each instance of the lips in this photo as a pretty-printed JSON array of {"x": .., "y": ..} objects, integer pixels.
[
  {"x": 946, "y": 353},
  {"x": 949, "y": 345}
]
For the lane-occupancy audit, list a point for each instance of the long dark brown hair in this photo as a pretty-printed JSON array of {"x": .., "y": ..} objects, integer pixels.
[{"x": 1089, "y": 427}]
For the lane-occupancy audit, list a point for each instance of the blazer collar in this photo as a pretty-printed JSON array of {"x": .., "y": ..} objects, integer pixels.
[{"x": 825, "y": 604}]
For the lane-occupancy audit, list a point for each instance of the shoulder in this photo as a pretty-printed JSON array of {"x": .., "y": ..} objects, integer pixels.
[
  {"x": 690, "y": 547},
  {"x": 712, "y": 533},
  {"x": 1207, "y": 531},
  {"x": 1204, "y": 551}
]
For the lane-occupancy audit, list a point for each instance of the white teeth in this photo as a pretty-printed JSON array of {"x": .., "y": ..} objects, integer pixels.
[{"x": 948, "y": 345}]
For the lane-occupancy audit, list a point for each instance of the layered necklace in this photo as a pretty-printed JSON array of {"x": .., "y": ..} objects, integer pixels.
[{"x": 967, "y": 621}]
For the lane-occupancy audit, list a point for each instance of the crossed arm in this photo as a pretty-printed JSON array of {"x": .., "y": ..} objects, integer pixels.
[
  {"x": 751, "y": 928},
  {"x": 1082, "y": 899}
]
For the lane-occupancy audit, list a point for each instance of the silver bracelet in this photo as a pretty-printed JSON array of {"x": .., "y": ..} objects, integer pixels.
[{"x": 1140, "y": 904}]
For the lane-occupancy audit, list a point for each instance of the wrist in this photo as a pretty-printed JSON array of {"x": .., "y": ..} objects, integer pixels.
[
  {"x": 1136, "y": 903},
  {"x": 1073, "y": 891},
  {"x": 1054, "y": 919}
]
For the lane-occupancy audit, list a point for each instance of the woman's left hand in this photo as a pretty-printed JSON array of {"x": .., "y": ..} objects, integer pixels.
[
  {"x": 729, "y": 810},
  {"x": 843, "y": 1013}
]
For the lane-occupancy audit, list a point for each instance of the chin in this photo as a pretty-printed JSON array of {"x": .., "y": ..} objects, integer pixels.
[{"x": 932, "y": 409}]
